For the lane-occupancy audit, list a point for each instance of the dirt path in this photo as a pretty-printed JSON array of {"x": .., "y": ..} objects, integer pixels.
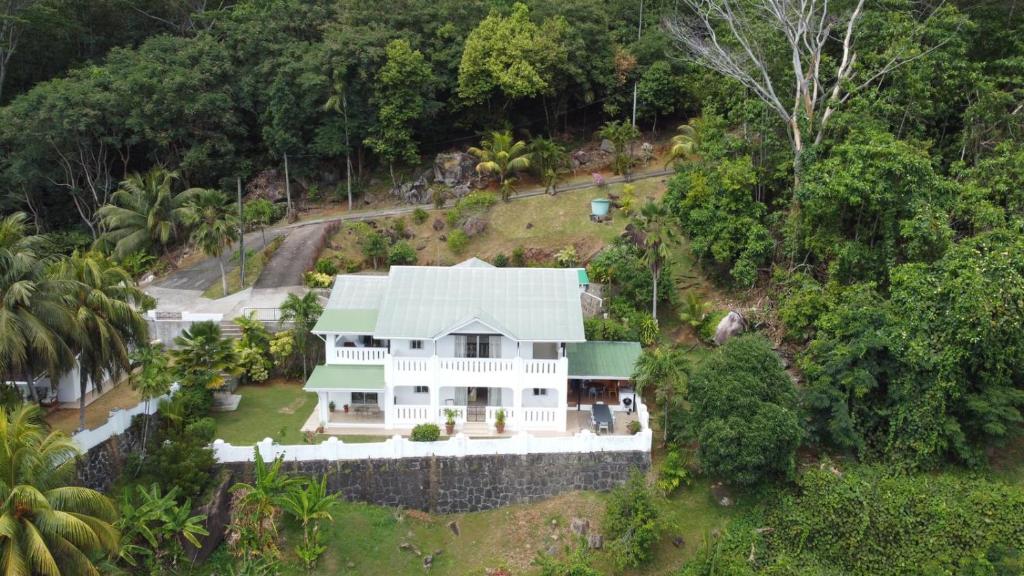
[{"x": 295, "y": 255}]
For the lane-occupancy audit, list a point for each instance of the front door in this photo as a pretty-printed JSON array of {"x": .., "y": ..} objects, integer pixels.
[{"x": 476, "y": 406}]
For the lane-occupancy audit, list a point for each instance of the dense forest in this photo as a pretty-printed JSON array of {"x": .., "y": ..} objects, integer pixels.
[{"x": 854, "y": 168}]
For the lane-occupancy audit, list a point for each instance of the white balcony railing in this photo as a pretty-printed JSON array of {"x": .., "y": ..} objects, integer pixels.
[{"x": 360, "y": 355}]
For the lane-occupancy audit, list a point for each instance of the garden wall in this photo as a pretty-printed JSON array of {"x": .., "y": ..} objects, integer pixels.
[
  {"x": 446, "y": 485},
  {"x": 101, "y": 465}
]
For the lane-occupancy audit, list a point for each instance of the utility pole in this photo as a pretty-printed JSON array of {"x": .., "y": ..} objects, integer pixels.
[
  {"x": 287, "y": 186},
  {"x": 348, "y": 151},
  {"x": 241, "y": 236},
  {"x": 639, "y": 34}
]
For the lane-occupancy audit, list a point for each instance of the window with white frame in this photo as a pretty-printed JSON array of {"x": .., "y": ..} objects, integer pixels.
[
  {"x": 420, "y": 389},
  {"x": 416, "y": 344},
  {"x": 364, "y": 398},
  {"x": 540, "y": 391}
]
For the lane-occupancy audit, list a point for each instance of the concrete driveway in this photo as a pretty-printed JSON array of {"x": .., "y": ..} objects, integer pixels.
[
  {"x": 292, "y": 258},
  {"x": 202, "y": 275}
]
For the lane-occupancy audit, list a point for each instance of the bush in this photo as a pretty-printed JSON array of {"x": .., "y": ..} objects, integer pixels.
[
  {"x": 202, "y": 429},
  {"x": 318, "y": 280},
  {"x": 425, "y": 433},
  {"x": 501, "y": 260},
  {"x": 401, "y": 254},
  {"x": 473, "y": 204},
  {"x": 707, "y": 328},
  {"x": 457, "y": 241},
  {"x": 195, "y": 402},
  {"x": 745, "y": 409},
  {"x": 398, "y": 227},
  {"x": 438, "y": 195},
  {"x": 326, "y": 266},
  {"x": 518, "y": 257},
  {"x": 186, "y": 462},
  {"x": 631, "y": 522},
  {"x": 567, "y": 257},
  {"x": 419, "y": 216},
  {"x": 673, "y": 473},
  {"x": 576, "y": 564},
  {"x": 634, "y": 427}
]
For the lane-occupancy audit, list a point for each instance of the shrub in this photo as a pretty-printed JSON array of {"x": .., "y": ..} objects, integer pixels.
[
  {"x": 518, "y": 257},
  {"x": 318, "y": 280},
  {"x": 567, "y": 257},
  {"x": 398, "y": 227},
  {"x": 673, "y": 473},
  {"x": 634, "y": 427},
  {"x": 313, "y": 193},
  {"x": 627, "y": 202},
  {"x": 457, "y": 241},
  {"x": 631, "y": 522},
  {"x": 576, "y": 564},
  {"x": 425, "y": 433},
  {"x": 501, "y": 260},
  {"x": 419, "y": 216},
  {"x": 473, "y": 204},
  {"x": 202, "y": 429},
  {"x": 438, "y": 195},
  {"x": 401, "y": 254},
  {"x": 186, "y": 462},
  {"x": 374, "y": 247},
  {"x": 326, "y": 266},
  {"x": 598, "y": 328},
  {"x": 706, "y": 330}
]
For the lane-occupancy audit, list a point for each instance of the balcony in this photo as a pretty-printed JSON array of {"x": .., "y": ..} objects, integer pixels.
[
  {"x": 357, "y": 356},
  {"x": 494, "y": 372}
]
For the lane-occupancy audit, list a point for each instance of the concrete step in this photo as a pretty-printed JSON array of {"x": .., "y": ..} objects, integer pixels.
[{"x": 477, "y": 429}]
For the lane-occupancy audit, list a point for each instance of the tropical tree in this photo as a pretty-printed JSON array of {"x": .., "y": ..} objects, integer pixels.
[
  {"x": 152, "y": 525},
  {"x": 548, "y": 158},
  {"x": 36, "y": 323},
  {"x": 153, "y": 379},
  {"x": 302, "y": 312},
  {"x": 310, "y": 505},
  {"x": 686, "y": 142},
  {"x": 621, "y": 134},
  {"x": 260, "y": 212},
  {"x": 501, "y": 155},
  {"x": 665, "y": 370},
  {"x": 694, "y": 310},
  {"x": 214, "y": 226},
  {"x": 653, "y": 231},
  {"x": 202, "y": 356},
  {"x": 144, "y": 214},
  {"x": 49, "y": 527},
  {"x": 338, "y": 103},
  {"x": 107, "y": 310},
  {"x": 260, "y": 501}
]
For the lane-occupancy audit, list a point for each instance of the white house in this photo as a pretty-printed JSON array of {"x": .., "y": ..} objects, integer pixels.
[{"x": 408, "y": 347}]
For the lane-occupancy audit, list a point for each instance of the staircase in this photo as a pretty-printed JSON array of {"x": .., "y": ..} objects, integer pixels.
[
  {"x": 477, "y": 429},
  {"x": 229, "y": 329}
]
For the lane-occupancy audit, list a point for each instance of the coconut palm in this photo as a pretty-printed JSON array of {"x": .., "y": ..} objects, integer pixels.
[
  {"x": 214, "y": 226},
  {"x": 36, "y": 323},
  {"x": 303, "y": 312},
  {"x": 653, "y": 231},
  {"x": 144, "y": 213},
  {"x": 202, "y": 356},
  {"x": 686, "y": 143},
  {"x": 548, "y": 158},
  {"x": 337, "y": 102},
  {"x": 107, "y": 309},
  {"x": 153, "y": 379},
  {"x": 501, "y": 155},
  {"x": 665, "y": 370},
  {"x": 46, "y": 526}
]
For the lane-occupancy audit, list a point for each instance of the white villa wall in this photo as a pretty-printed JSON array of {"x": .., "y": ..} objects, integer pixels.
[
  {"x": 403, "y": 347},
  {"x": 549, "y": 400},
  {"x": 342, "y": 398},
  {"x": 407, "y": 395}
]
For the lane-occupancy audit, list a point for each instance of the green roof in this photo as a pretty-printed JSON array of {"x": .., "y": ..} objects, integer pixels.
[
  {"x": 346, "y": 377},
  {"x": 602, "y": 360},
  {"x": 346, "y": 321},
  {"x": 584, "y": 279}
]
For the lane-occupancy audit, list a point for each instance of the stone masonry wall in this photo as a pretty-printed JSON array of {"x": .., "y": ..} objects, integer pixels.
[
  {"x": 100, "y": 467},
  {"x": 446, "y": 485}
]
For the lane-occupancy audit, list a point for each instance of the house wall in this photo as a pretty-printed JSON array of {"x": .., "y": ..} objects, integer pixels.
[
  {"x": 342, "y": 398},
  {"x": 549, "y": 400},
  {"x": 406, "y": 395}
]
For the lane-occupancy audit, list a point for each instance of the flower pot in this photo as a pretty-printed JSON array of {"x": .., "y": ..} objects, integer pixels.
[
  {"x": 500, "y": 427},
  {"x": 346, "y": 408},
  {"x": 449, "y": 429}
]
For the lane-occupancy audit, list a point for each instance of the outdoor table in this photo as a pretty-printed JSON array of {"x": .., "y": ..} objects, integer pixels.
[{"x": 602, "y": 414}]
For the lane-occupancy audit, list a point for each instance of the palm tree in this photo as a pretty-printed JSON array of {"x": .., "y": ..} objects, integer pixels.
[
  {"x": 46, "y": 526},
  {"x": 36, "y": 323},
  {"x": 686, "y": 143},
  {"x": 202, "y": 356},
  {"x": 303, "y": 313},
  {"x": 108, "y": 316},
  {"x": 499, "y": 154},
  {"x": 548, "y": 158},
  {"x": 214, "y": 226},
  {"x": 664, "y": 369},
  {"x": 144, "y": 213},
  {"x": 338, "y": 103},
  {"x": 153, "y": 379},
  {"x": 621, "y": 134},
  {"x": 694, "y": 310},
  {"x": 261, "y": 499},
  {"x": 310, "y": 505},
  {"x": 653, "y": 232}
]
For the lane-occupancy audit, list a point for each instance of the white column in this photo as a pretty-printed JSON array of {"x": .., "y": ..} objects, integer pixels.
[
  {"x": 434, "y": 387},
  {"x": 322, "y": 406},
  {"x": 389, "y": 390},
  {"x": 563, "y": 392},
  {"x": 517, "y": 392}
]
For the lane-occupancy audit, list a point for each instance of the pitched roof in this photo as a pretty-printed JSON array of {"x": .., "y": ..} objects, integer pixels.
[
  {"x": 340, "y": 321},
  {"x": 473, "y": 262},
  {"x": 424, "y": 302},
  {"x": 357, "y": 291},
  {"x": 346, "y": 377},
  {"x": 602, "y": 360}
]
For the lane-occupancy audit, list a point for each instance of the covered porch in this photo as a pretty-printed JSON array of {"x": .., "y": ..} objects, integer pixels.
[
  {"x": 601, "y": 372},
  {"x": 348, "y": 395}
]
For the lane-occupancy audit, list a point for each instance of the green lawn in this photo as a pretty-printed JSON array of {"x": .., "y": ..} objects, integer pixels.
[{"x": 275, "y": 409}]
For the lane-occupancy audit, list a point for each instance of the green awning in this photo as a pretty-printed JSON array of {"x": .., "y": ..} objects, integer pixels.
[
  {"x": 601, "y": 360},
  {"x": 584, "y": 279},
  {"x": 359, "y": 377},
  {"x": 350, "y": 321}
]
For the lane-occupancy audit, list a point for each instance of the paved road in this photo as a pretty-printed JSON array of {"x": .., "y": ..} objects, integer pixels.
[
  {"x": 202, "y": 275},
  {"x": 292, "y": 258}
]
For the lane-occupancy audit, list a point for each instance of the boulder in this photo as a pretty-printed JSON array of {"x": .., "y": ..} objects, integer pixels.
[
  {"x": 454, "y": 527},
  {"x": 607, "y": 146},
  {"x": 438, "y": 224},
  {"x": 579, "y": 526},
  {"x": 456, "y": 168},
  {"x": 578, "y": 158},
  {"x": 732, "y": 325},
  {"x": 459, "y": 190},
  {"x": 268, "y": 184},
  {"x": 595, "y": 541},
  {"x": 474, "y": 225},
  {"x": 415, "y": 192}
]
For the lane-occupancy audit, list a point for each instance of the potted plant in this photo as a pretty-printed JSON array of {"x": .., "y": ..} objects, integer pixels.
[
  {"x": 449, "y": 421},
  {"x": 345, "y": 408},
  {"x": 499, "y": 420},
  {"x": 332, "y": 406}
]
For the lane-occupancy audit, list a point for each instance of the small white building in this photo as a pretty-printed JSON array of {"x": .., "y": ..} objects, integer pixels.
[{"x": 470, "y": 340}]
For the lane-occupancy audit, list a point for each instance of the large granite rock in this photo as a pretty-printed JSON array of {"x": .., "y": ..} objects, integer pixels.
[
  {"x": 732, "y": 325},
  {"x": 415, "y": 192},
  {"x": 454, "y": 168}
]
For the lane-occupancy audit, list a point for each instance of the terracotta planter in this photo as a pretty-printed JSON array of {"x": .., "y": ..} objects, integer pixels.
[
  {"x": 449, "y": 429},
  {"x": 500, "y": 427}
]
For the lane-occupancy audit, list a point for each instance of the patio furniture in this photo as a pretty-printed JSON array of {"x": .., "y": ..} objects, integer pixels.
[
  {"x": 601, "y": 415},
  {"x": 592, "y": 392}
]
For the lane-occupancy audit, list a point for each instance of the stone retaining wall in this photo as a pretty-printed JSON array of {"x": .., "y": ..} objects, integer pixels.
[
  {"x": 446, "y": 485},
  {"x": 99, "y": 467}
]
